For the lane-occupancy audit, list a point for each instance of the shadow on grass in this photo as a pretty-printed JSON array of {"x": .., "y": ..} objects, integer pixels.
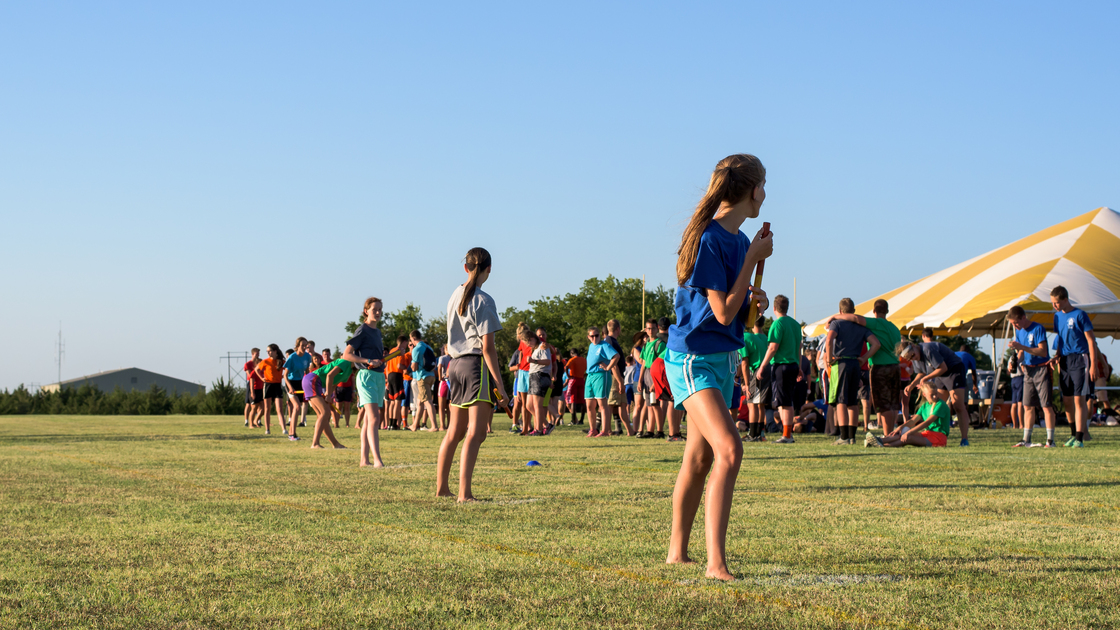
[{"x": 58, "y": 437}]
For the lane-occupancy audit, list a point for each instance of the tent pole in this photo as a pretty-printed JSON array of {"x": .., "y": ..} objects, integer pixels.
[{"x": 999, "y": 365}]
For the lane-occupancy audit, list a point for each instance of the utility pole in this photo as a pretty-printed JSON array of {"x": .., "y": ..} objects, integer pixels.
[
  {"x": 61, "y": 348},
  {"x": 232, "y": 367}
]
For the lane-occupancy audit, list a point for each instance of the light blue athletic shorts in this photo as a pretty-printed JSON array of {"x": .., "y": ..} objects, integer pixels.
[
  {"x": 597, "y": 385},
  {"x": 371, "y": 388},
  {"x": 522, "y": 385},
  {"x": 690, "y": 373}
]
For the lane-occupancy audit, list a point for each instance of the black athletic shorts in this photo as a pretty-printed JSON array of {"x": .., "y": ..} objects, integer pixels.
[
  {"x": 1073, "y": 377},
  {"x": 539, "y": 383},
  {"x": 273, "y": 390},
  {"x": 469, "y": 381},
  {"x": 258, "y": 396},
  {"x": 844, "y": 382},
  {"x": 783, "y": 379},
  {"x": 864, "y": 385},
  {"x": 295, "y": 390},
  {"x": 344, "y": 394},
  {"x": 886, "y": 387},
  {"x": 394, "y": 385}
]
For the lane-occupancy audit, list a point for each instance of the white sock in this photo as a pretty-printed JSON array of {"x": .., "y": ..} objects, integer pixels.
[
  {"x": 1027, "y": 435},
  {"x": 1049, "y": 435}
]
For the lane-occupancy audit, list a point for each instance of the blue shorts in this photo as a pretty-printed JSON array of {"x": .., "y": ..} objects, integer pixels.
[
  {"x": 597, "y": 385},
  {"x": 690, "y": 373},
  {"x": 371, "y": 387},
  {"x": 522, "y": 384},
  {"x": 1074, "y": 379}
]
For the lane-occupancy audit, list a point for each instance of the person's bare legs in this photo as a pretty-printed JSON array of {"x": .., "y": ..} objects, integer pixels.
[
  {"x": 279, "y": 403},
  {"x": 536, "y": 404},
  {"x": 910, "y": 438},
  {"x": 842, "y": 416},
  {"x": 888, "y": 418},
  {"x": 624, "y": 417},
  {"x": 592, "y": 405},
  {"x": 267, "y": 417},
  {"x": 323, "y": 424},
  {"x": 719, "y": 449},
  {"x": 456, "y": 431},
  {"x": 478, "y": 416},
  {"x": 675, "y": 416},
  {"x": 958, "y": 399},
  {"x": 369, "y": 439}
]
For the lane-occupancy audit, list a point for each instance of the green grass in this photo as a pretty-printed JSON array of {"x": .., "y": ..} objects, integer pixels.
[{"x": 198, "y": 522}]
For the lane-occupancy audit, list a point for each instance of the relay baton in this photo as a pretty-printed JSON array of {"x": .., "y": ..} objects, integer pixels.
[
  {"x": 752, "y": 313},
  {"x": 502, "y": 404}
]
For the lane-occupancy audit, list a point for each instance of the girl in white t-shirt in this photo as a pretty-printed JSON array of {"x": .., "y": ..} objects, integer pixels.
[{"x": 540, "y": 381}]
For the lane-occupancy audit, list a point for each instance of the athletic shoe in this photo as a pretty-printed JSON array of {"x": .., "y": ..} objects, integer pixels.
[
  {"x": 515, "y": 429},
  {"x": 1021, "y": 444},
  {"x": 303, "y": 424},
  {"x": 645, "y": 436},
  {"x": 1087, "y": 436},
  {"x": 964, "y": 442},
  {"x": 840, "y": 442},
  {"x": 1078, "y": 444},
  {"x": 293, "y": 438},
  {"x": 784, "y": 440},
  {"x": 535, "y": 433},
  {"x": 1051, "y": 444},
  {"x": 761, "y": 438},
  {"x": 661, "y": 435},
  {"x": 1035, "y": 445},
  {"x": 618, "y": 432},
  {"x": 871, "y": 440},
  {"x": 1071, "y": 440},
  {"x": 246, "y": 423},
  {"x": 674, "y": 438},
  {"x": 268, "y": 432}
]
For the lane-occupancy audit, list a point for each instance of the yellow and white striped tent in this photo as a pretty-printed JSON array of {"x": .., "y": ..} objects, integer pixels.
[{"x": 972, "y": 298}]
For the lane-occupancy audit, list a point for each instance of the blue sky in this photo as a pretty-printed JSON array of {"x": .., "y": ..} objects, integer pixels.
[{"x": 179, "y": 181}]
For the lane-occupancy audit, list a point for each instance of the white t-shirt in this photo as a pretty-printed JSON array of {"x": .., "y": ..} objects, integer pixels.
[
  {"x": 465, "y": 332},
  {"x": 541, "y": 353}
]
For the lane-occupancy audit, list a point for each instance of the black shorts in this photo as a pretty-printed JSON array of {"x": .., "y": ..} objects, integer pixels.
[
  {"x": 273, "y": 390},
  {"x": 957, "y": 378},
  {"x": 783, "y": 380},
  {"x": 864, "y": 385},
  {"x": 344, "y": 394},
  {"x": 469, "y": 381},
  {"x": 394, "y": 385},
  {"x": 539, "y": 383},
  {"x": 258, "y": 396},
  {"x": 1016, "y": 389},
  {"x": 295, "y": 390},
  {"x": 1073, "y": 376},
  {"x": 844, "y": 382},
  {"x": 886, "y": 387}
]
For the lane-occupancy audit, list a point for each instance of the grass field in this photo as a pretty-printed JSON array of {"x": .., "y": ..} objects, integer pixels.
[{"x": 198, "y": 522}]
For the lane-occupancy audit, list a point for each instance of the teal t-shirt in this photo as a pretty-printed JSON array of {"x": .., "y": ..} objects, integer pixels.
[
  {"x": 345, "y": 366},
  {"x": 786, "y": 332},
  {"x": 418, "y": 359},
  {"x": 888, "y": 335},
  {"x": 942, "y": 417}
]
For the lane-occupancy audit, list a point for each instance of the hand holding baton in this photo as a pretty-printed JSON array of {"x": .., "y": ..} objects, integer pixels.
[
  {"x": 752, "y": 313},
  {"x": 502, "y": 404}
]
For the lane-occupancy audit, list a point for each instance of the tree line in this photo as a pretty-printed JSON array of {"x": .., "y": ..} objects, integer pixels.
[{"x": 222, "y": 398}]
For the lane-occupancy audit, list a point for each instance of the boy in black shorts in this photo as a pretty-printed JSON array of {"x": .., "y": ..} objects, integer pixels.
[
  {"x": 846, "y": 347},
  {"x": 783, "y": 354}
]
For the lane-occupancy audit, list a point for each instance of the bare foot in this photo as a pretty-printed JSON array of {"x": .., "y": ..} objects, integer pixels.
[
  {"x": 339, "y": 446},
  {"x": 378, "y": 465},
  {"x": 469, "y": 499},
  {"x": 719, "y": 574},
  {"x": 446, "y": 494},
  {"x": 316, "y": 446},
  {"x": 679, "y": 560}
]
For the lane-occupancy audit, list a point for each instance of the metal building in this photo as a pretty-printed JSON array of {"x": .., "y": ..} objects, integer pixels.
[{"x": 128, "y": 379}]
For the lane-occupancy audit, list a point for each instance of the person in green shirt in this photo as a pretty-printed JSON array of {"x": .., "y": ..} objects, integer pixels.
[
  {"x": 783, "y": 354},
  {"x": 758, "y": 389},
  {"x": 886, "y": 377},
  {"x": 330, "y": 375},
  {"x": 929, "y": 426}
]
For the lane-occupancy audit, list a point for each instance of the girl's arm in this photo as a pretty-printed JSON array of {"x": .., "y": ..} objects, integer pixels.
[
  {"x": 349, "y": 355},
  {"x": 941, "y": 369},
  {"x": 328, "y": 388},
  {"x": 725, "y": 306},
  {"x": 490, "y": 353}
]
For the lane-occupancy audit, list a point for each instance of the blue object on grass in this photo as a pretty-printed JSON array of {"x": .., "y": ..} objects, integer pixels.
[{"x": 533, "y": 463}]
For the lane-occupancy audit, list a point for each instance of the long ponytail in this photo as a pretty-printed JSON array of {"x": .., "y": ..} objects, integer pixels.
[
  {"x": 477, "y": 261},
  {"x": 735, "y": 177}
]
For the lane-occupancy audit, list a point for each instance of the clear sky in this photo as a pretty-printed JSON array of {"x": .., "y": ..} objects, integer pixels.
[{"x": 180, "y": 180}]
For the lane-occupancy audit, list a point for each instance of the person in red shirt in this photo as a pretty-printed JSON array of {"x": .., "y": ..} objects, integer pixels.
[
  {"x": 577, "y": 372},
  {"x": 255, "y": 389}
]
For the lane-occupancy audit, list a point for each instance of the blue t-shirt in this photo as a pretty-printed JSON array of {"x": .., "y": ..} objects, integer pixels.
[
  {"x": 297, "y": 365},
  {"x": 966, "y": 358},
  {"x": 418, "y": 358},
  {"x": 599, "y": 353},
  {"x": 1033, "y": 336},
  {"x": 1071, "y": 328},
  {"x": 718, "y": 263}
]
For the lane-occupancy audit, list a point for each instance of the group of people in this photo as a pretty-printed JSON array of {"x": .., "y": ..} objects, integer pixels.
[{"x": 706, "y": 366}]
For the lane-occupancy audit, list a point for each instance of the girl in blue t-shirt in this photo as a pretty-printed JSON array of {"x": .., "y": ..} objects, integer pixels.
[{"x": 713, "y": 274}]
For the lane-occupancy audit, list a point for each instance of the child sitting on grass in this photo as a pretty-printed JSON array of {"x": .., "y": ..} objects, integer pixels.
[{"x": 929, "y": 426}]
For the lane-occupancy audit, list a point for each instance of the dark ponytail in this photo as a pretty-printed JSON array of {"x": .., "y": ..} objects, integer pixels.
[{"x": 477, "y": 261}]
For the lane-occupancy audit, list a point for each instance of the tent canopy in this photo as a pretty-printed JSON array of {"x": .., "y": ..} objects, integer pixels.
[{"x": 973, "y": 297}]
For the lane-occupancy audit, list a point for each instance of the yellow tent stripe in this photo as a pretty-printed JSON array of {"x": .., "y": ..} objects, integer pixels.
[
  {"x": 1019, "y": 285},
  {"x": 1089, "y": 254}
]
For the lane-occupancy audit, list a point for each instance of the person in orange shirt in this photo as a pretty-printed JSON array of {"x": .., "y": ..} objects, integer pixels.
[
  {"x": 270, "y": 371},
  {"x": 577, "y": 372},
  {"x": 394, "y": 384}
]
